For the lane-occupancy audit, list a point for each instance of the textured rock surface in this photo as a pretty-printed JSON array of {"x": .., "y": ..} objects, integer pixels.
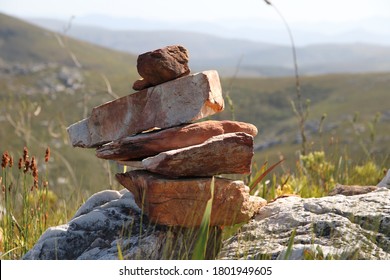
[
  {"x": 229, "y": 153},
  {"x": 150, "y": 144},
  {"x": 109, "y": 220},
  {"x": 170, "y": 104},
  {"x": 181, "y": 202},
  {"x": 161, "y": 65},
  {"x": 356, "y": 227}
]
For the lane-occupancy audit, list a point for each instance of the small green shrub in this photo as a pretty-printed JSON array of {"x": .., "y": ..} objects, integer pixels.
[{"x": 366, "y": 175}]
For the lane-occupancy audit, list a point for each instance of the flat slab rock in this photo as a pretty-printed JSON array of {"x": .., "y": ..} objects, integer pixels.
[
  {"x": 183, "y": 100},
  {"x": 351, "y": 190},
  {"x": 111, "y": 219},
  {"x": 161, "y": 65},
  {"x": 181, "y": 202},
  {"x": 150, "y": 144},
  {"x": 354, "y": 190},
  {"x": 338, "y": 227},
  {"x": 229, "y": 153}
]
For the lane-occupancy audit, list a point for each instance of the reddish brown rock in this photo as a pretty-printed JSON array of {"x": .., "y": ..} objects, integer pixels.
[
  {"x": 141, "y": 84},
  {"x": 229, "y": 153},
  {"x": 181, "y": 202},
  {"x": 150, "y": 144},
  {"x": 183, "y": 100},
  {"x": 161, "y": 65}
]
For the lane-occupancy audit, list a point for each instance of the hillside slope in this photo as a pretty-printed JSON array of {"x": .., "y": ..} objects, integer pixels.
[
  {"x": 24, "y": 43},
  {"x": 47, "y": 82}
]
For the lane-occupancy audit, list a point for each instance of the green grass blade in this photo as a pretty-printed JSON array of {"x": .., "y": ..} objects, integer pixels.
[
  {"x": 290, "y": 245},
  {"x": 120, "y": 254},
  {"x": 200, "y": 248}
]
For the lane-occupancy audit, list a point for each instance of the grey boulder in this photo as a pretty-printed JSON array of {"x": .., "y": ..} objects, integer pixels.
[
  {"x": 335, "y": 227},
  {"x": 110, "y": 225}
]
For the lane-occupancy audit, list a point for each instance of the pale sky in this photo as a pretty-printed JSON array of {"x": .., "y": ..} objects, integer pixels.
[{"x": 202, "y": 10}]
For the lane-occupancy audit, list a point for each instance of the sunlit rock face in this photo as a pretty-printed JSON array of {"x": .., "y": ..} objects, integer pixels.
[{"x": 338, "y": 227}]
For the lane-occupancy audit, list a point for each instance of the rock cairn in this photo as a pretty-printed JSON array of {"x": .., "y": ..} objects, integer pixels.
[{"x": 173, "y": 157}]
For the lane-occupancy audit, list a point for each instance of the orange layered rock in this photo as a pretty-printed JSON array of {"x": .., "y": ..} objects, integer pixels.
[
  {"x": 222, "y": 154},
  {"x": 181, "y": 202},
  {"x": 152, "y": 143}
]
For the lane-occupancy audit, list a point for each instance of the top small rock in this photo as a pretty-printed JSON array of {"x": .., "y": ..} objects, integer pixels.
[{"x": 161, "y": 65}]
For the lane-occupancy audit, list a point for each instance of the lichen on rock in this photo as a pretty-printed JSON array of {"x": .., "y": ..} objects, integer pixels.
[{"x": 338, "y": 227}]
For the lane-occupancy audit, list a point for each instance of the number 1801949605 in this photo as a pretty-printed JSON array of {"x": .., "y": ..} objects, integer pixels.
[{"x": 248, "y": 270}]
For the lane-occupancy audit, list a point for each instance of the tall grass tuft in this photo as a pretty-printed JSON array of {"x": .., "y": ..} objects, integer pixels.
[{"x": 26, "y": 203}]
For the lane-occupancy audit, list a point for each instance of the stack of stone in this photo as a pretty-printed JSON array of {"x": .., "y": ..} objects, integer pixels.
[{"x": 173, "y": 157}]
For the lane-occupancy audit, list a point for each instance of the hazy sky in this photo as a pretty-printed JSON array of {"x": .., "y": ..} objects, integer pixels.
[{"x": 294, "y": 10}]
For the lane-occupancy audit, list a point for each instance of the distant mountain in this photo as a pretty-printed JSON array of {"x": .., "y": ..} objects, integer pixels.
[
  {"x": 370, "y": 30},
  {"x": 250, "y": 58}
]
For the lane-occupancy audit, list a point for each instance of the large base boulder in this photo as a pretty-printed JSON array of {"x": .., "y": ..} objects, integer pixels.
[
  {"x": 336, "y": 227},
  {"x": 110, "y": 222}
]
